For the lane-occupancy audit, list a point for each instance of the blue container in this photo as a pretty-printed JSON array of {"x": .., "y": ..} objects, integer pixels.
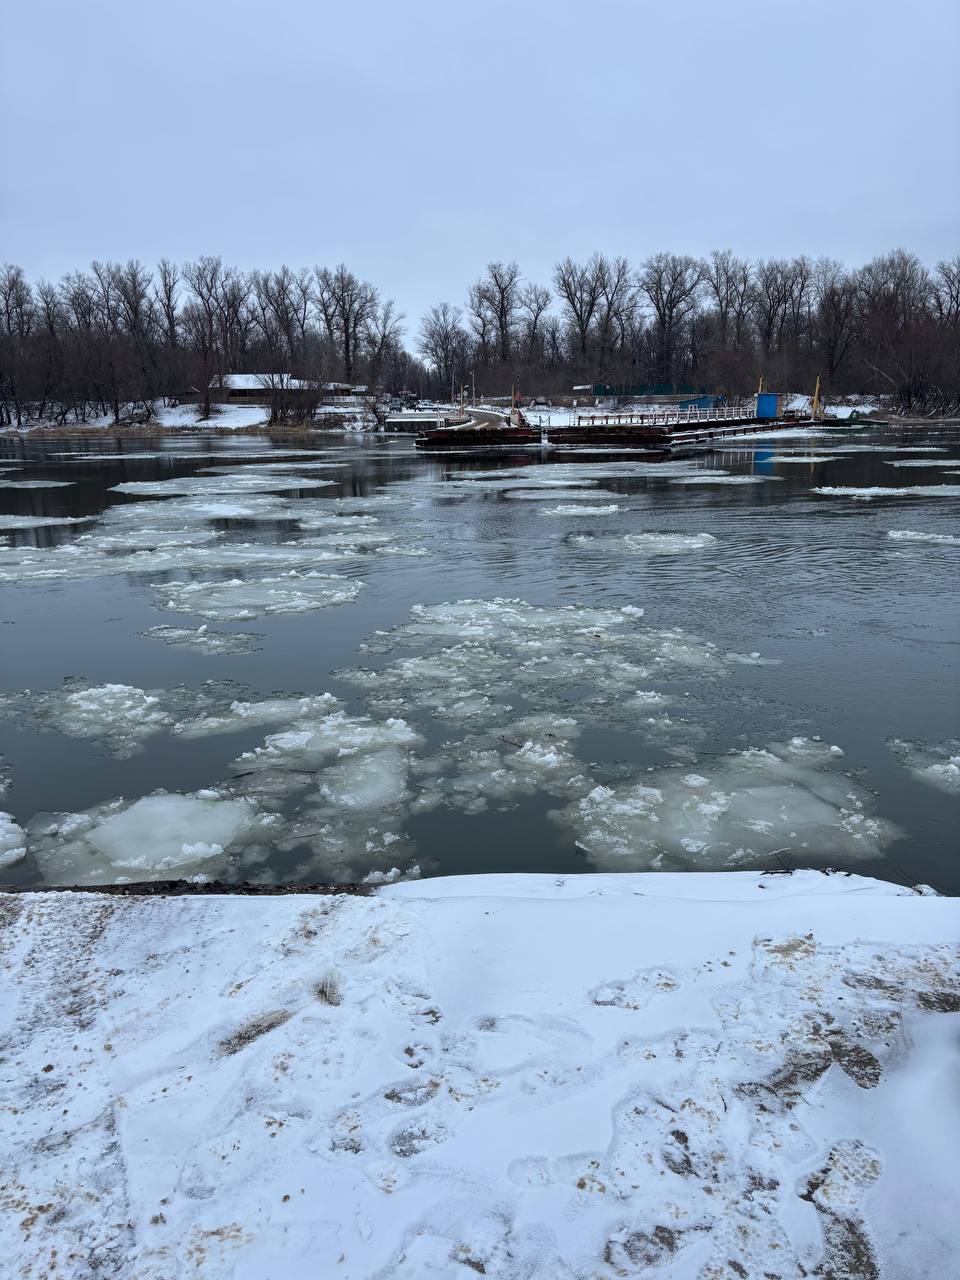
[{"x": 767, "y": 404}]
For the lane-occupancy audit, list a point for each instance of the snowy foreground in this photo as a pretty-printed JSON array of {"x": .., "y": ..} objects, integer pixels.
[{"x": 701, "y": 1075}]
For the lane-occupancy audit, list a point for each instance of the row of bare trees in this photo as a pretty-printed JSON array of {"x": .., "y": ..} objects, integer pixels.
[
  {"x": 890, "y": 327},
  {"x": 119, "y": 338}
]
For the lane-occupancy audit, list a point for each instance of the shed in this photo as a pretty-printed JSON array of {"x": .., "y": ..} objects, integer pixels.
[{"x": 768, "y": 404}]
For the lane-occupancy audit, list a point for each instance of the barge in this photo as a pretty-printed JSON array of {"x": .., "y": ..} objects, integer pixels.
[{"x": 683, "y": 430}]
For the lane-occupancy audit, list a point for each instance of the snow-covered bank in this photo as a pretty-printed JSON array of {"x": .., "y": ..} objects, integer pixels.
[{"x": 519, "y": 1076}]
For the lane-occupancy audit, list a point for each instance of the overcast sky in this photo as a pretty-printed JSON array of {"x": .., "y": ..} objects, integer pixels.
[{"x": 417, "y": 140}]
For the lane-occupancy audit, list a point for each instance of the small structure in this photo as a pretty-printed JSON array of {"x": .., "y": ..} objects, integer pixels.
[{"x": 769, "y": 405}]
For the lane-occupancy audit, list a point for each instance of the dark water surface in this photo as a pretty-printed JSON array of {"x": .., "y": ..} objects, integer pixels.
[{"x": 859, "y": 631}]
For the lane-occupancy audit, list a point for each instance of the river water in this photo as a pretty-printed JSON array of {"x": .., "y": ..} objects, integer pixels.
[{"x": 788, "y": 696}]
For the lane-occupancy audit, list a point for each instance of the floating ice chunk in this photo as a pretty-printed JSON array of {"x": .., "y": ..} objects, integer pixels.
[
  {"x": 648, "y": 544},
  {"x": 152, "y": 838},
  {"x": 745, "y": 809},
  {"x": 581, "y": 509},
  {"x": 201, "y": 486},
  {"x": 13, "y": 841},
  {"x": 71, "y": 456},
  {"x": 305, "y": 464},
  {"x": 250, "y": 598},
  {"x": 311, "y": 743},
  {"x": 751, "y": 659},
  {"x": 35, "y": 484},
  {"x": 886, "y": 491},
  {"x": 103, "y": 708},
  {"x": 392, "y": 876},
  {"x": 40, "y": 522},
  {"x": 377, "y": 780},
  {"x": 212, "y": 643},
  {"x": 938, "y": 764},
  {"x": 246, "y": 715},
  {"x": 121, "y": 714},
  {"x": 549, "y": 493},
  {"x": 805, "y": 457},
  {"x": 721, "y": 477},
  {"x": 583, "y": 660},
  {"x": 935, "y": 539},
  {"x": 919, "y": 462},
  {"x": 140, "y": 539}
]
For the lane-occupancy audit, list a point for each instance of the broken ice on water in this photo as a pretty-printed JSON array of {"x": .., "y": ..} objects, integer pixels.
[
  {"x": 934, "y": 539},
  {"x": 212, "y": 643},
  {"x": 165, "y": 835},
  {"x": 645, "y": 544},
  {"x": 745, "y": 809},
  {"x": 214, "y": 485},
  {"x": 581, "y": 509},
  {"x": 866, "y": 493},
  {"x": 13, "y": 841},
  {"x": 120, "y": 716},
  {"x": 936, "y": 764},
  {"x": 243, "y": 598}
]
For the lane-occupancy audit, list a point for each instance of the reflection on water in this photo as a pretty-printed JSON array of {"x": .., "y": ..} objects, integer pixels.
[{"x": 174, "y": 609}]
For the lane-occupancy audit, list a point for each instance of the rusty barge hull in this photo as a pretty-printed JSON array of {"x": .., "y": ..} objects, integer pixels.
[{"x": 660, "y": 438}]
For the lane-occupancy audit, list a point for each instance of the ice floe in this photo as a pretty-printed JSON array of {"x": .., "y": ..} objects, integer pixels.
[
  {"x": 13, "y": 841},
  {"x": 119, "y": 714},
  {"x": 887, "y": 491},
  {"x": 581, "y": 509},
  {"x": 35, "y": 484},
  {"x": 805, "y": 457},
  {"x": 39, "y": 522},
  {"x": 919, "y": 462},
  {"x": 647, "y": 544},
  {"x": 212, "y": 643},
  {"x": 246, "y": 715},
  {"x": 936, "y": 764},
  {"x": 232, "y": 483},
  {"x": 244, "y": 598},
  {"x": 156, "y": 837},
  {"x": 745, "y": 809},
  {"x": 721, "y": 477},
  {"x": 935, "y": 539}
]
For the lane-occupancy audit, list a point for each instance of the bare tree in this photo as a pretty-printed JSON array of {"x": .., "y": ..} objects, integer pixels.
[
  {"x": 443, "y": 342},
  {"x": 502, "y": 289},
  {"x": 835, "y": 300},
  {"x": 670, "y": 283},
  {"x": 347, "y": 304},
  {"x": 482, "y": 320},
  {"x": 533, "y": 302},
  {"x": 579, "y": 285}
]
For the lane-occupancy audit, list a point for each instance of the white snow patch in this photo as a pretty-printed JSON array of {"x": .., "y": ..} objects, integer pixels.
[{"x": 514, "y": 1076}]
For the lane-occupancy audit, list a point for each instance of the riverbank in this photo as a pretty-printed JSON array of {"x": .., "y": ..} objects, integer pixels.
[{"x": 593, "y": 1076}]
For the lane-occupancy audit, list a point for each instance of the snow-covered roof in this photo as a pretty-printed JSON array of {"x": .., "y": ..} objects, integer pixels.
[{"x": 257, "y": 381}]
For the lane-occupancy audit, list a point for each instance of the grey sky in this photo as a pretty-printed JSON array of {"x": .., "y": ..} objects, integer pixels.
[{"x": 418, "y": 140}]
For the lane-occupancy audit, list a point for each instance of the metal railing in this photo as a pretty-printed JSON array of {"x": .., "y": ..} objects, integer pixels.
[{"x": 669, "y": 417}]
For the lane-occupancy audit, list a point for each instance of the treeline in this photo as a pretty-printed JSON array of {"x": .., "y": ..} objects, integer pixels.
[
  {"x": 120, "y": 338},
  {"x": 891, "y": 327}
]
